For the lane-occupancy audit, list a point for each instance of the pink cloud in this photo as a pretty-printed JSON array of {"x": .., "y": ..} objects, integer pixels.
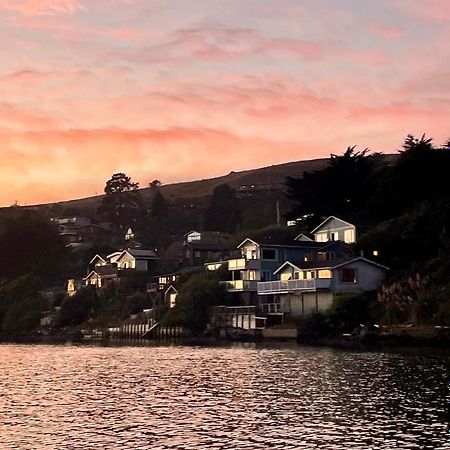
[
  {"x": 41, "y": 7},
  {"x": 432, "y": 10},
  {"x": 384, "y": 31}
]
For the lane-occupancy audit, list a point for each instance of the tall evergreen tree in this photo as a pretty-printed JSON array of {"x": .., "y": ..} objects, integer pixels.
[
  {"x": 342, "y": 188},
  {"x": 224, "y": 213}
]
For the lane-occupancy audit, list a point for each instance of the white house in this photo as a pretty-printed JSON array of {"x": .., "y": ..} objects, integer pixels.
[
  {"x": 170, "y": 296},
  {"x": 136, "y": 259},
  {"x": 335, "y": 229},
  {"x": 101, "y": 276},
  {"x": 310, "y": 286}
]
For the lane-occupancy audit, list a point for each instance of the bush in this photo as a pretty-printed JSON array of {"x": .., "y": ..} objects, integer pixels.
[
  {"x": 195, "y": 299},
  {"x": 21, "y": 305},
  {"x": 350, "y": 310},
  {"x": 77, "y": 309}
]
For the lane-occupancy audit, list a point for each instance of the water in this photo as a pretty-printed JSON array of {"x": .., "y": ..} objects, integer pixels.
[{"x": 242, "y": 397}]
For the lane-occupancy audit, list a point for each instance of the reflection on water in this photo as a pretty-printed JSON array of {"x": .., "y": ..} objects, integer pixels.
[{"x": 56, "y": 397}]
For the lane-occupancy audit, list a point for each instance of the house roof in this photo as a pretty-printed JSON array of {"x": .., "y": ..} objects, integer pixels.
[
  {"x": 139, "y": 253},
  {"x": 331, "y": 264},
  {"x": 302, "y": 237},
  {"x": 107, "y": 271},
  {"x": 171, "y": 288},
  {"x": 327, "y": 220},
  {"x": 97, "y": 256},
  {"x": 268, "y": 241}
]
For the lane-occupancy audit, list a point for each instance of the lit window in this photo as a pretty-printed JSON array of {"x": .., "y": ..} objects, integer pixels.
[
  {"x": 325, "y": 273},
  {"x": 375, "y": 253},
  {"x": 321, "y": 237},
  {"x": 349, "y": 236}
]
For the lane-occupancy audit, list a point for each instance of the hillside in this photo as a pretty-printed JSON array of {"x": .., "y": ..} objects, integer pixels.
[{"x": 184, "y": 192}]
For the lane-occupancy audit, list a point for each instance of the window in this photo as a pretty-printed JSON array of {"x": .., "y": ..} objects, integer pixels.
[
  {"x": 324, "y": 273},
  {"x": 349, "y": 236},
  {"x": 269, "y": 254},
  {"x": 266, "y": 275},
  {"x": 252, "y": 275},
  {"x": 321, "y": 237},
  {"x": 334, "y": 236},
  {"x": 348, "y": 276},
  {"x": 285, "y": 276},
  {"x": 321, "y": 256}
]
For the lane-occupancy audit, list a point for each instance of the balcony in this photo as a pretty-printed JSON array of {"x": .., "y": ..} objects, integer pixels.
[
  {"x": 292, "y": 286},
  {"x": 243, "y": 264},
  {"x": 270, "y": 308},
  {"x": 240, "y": 285}
]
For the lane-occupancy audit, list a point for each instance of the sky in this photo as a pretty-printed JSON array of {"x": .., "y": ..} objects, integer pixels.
[{"x": 179, "y": 90}]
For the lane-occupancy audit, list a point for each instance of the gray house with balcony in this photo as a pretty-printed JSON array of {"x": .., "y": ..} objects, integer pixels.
[
  {"x": 259, "y": 259},
  {"x": 303, "y": 287}
]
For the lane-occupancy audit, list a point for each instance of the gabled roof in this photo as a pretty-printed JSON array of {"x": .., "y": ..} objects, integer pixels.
[
  {"x": 171, "y": 288},
  {"x": 327, "y": 220},
  {"x": 287, "y": 263},
  {"x": 286, "y": 243},
  {"x": 103, "y": 272},
  {"x": 97, "y": 256},
  {"x": 331, "y": 264},
  {"x": 139, "y": 254},
  {"x": 302, "y": 238},
  {"x": 113, "y": 254}
]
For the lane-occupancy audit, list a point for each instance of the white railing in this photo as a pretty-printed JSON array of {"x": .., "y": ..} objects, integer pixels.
[
  {"x": 282, "y": 287},
  {"x": 240, "y": 285},
  {"x": 270, "y": 308}
]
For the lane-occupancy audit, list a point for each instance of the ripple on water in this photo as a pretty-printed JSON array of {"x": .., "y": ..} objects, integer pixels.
[{"x": 54, "y": 397}]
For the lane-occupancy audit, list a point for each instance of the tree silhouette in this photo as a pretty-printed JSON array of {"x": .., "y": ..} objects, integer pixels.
[
  {"x": 159, "y": 203},
  {"x": 122, "y": 202},
  {"x": 224, "y": 213},
  {"x": 342, "y": 188}
]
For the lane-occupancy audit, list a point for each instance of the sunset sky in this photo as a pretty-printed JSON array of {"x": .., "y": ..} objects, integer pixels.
[{"x": 185, "y": 89}]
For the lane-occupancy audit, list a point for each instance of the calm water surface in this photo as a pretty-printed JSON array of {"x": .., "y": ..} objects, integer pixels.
[{"x": 87, "y": 397}]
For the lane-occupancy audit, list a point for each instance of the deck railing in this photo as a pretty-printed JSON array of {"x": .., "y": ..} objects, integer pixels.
[{"x": 284, "y": 287}]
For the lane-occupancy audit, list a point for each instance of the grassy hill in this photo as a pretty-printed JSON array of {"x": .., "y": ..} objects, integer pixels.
[
  {"x": 196, "y": 190},
  {"x": 261, "y": 190}
]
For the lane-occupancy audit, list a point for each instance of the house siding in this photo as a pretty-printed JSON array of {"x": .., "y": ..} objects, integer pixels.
[
  {"x": 335, "y": 225},
  {"x": 369, "y": 277}
]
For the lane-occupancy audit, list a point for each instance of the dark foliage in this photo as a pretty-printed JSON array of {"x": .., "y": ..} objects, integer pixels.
[
  {"x": 77, "y": 309},
  {"x": 30, "y": 243},
  {"x": 197, "y": 295},
  {"x": 224, "y": 214},
  {"x": 21, "y": 305},
  {"x": 122, "y": 204},
  {"x": 419, "y": 174},
  {"x": 343, "y": 188},
  {"x": 159, "y": 205}
]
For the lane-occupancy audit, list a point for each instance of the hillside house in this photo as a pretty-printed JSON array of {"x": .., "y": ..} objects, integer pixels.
[
  {"x": 335, "y": 229},
  {"x": 304, "y": 287},
  {"x": 102, "y": 276},
  {"x": 136, "y": 259},
  {"x": 260, "y": 258},
  {"x": 205, "y": 246}
]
